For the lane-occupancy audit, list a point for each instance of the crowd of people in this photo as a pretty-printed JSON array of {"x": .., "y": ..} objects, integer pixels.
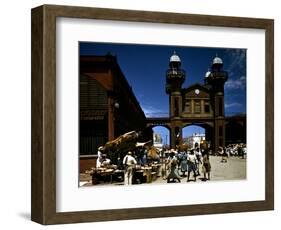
[
  {"x": 176, "y": 164},
  {"x": 192, "y": 162},
  {"x": 238, "y": 150}
]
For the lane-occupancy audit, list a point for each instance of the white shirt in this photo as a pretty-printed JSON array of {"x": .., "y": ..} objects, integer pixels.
[
  {"x": 129, "y": 160},
  {"x": 192, "y": 158},
  {"x": 99, "y": 154},
  {"x": 99, "y": 162}
]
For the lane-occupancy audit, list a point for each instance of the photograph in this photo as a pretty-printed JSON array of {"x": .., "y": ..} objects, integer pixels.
[
  {"x": 158, "y": 114},
  {"x": 139, "y": 114}
]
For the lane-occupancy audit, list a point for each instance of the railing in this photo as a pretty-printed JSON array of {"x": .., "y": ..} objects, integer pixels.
[{"x": 175, "y": 73}]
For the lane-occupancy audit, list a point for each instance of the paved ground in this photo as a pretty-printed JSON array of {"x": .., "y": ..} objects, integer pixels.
[{"x": 233, "y": 169}]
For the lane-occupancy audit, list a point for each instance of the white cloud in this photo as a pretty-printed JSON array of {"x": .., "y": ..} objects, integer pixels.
[
  {"x": 151, "y": 111},
  {"x": 231, "y": 105},
  {"x": 238, "y": 57},
  {"x": 243, "y": 78},
  {"x": 236, "y": 84}
]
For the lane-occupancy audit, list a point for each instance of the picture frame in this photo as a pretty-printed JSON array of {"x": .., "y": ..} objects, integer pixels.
[{"x": 43, "y": 160}]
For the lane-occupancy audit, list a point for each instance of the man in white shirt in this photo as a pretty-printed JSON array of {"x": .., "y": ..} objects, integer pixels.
[
  {"x": 129, "y": 162},
  {"x": 191, "y": 161},
  {"x": 99, "y": 159}
]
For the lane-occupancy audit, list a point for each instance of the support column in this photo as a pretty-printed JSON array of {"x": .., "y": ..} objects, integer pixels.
[
  {"x": 219, "y": 134},
  {"x": 176, "y": 136},
  {"x": 192, "y": 106},
  {"x": 172, "y": 138},
  {"x": 202, "y": 107},
  {"x": 110, "y": 119},
  {"x": 175, "y": 102}
]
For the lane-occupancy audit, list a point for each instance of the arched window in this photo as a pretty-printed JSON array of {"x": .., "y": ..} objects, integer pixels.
[
  {"x": 161, "y": 136},
  {"x": 193, "y": 134}
]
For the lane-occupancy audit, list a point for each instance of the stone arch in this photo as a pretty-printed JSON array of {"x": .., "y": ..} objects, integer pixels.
[
  {"x": 208, "y": 130},
  {"x": 165, "y": 139}
]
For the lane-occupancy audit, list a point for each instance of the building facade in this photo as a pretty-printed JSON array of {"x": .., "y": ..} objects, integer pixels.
[
  {"x": 108, "y": 106},
  {"x": 201, "y": 105}
]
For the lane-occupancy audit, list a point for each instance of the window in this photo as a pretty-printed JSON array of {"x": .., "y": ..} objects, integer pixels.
[
  {"x": 187, "y": 108},
  {"x": 207, "y": 107},
  {"x": 197, "y": 107}
]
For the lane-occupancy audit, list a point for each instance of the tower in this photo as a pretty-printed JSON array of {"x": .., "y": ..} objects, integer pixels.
[
  {"x": 216, "y": 79},
  {"x": 175, "y": 77}
]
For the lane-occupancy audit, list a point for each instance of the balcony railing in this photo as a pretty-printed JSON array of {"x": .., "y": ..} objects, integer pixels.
[{"x": 175, "y": 73}]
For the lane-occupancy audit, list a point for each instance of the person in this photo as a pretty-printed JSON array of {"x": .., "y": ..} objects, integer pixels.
[
  {"x": 222, "y": 154},
  {"x": 191, "y": 161},
  {"x": 239, "y": 150},
  {"x": 100, "y": 158},
  {"x": 244, "y": 151},
  {"x": 129, "y": 163},
  {"x": 103, "y": 161},
  {"x": 206, "y": 167},
  {"x": 173, "y": 174},
  {"x": 198, "y": 155},
  {"x": 179, "y": 158},
  {"x": 183, "y": 164}
]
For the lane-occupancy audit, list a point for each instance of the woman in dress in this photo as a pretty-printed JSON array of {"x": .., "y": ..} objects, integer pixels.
[
  {"x": 183, "y": 164},
  {"x": 173, "y": 174}
]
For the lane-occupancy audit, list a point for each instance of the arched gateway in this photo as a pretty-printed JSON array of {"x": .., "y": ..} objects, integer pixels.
[{"x": 199, "y": 104}]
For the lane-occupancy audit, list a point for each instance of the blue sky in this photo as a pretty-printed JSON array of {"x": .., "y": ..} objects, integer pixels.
[{"x": 145, "y": 66}]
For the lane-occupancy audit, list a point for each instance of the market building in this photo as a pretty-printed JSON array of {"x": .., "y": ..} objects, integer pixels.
[{"x": 108, "y": 106}]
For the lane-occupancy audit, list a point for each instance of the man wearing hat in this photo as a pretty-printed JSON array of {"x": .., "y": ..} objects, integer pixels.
[
  {"x": 129, "y": 163},
  {"x": 99, "y": 159}
]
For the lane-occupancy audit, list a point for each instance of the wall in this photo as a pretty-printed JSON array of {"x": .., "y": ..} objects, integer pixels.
[
  {"x": 15, "y": 113},
  {"x": 87, "y": 162}
]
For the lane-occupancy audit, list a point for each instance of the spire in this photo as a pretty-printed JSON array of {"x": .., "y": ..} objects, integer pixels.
[
  {"x": 175, "y": 57},
  {"x": 217, "y": 60}
]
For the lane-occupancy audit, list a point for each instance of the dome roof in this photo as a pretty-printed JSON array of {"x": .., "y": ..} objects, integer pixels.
[
  {"x": 207, "y": 74},
  {"x": 175, "y": 58},
  {"x": 217, "y": 60}
]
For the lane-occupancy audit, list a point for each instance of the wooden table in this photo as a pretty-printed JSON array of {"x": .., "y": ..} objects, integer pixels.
[{"x": 99, "y": 173}]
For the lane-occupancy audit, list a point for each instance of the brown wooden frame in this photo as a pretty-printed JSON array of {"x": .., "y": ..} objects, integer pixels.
[{"x": 43, "y": 189}]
